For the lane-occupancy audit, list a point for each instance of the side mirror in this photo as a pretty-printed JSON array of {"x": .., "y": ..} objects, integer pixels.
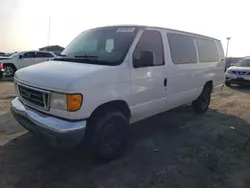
[
  {"x": 20, "y": 56},
  {"x": 146, "y": 60}
]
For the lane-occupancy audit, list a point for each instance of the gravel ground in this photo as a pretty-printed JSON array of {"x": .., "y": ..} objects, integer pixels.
[{"x": 175, "y": 149}]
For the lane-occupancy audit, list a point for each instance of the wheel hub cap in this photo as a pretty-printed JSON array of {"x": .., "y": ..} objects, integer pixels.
[{"x": 9, "y": 71}]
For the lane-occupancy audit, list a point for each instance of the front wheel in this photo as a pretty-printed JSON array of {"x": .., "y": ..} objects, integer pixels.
[
  {"x": 107, "y": 135},
  {"x": 201, "y": 104}
]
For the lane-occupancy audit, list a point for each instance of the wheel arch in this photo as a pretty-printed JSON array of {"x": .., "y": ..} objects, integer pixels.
[
  {"x": 12, "y": 64},
  {"x": 209, "y": 84},
  {"x": 119, "y": 105}
]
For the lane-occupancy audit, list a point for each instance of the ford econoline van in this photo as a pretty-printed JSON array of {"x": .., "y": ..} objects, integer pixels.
[{"x": 109, "y": 77}]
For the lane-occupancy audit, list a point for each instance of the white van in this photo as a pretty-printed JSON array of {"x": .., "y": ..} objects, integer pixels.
[
  {"x": 109, "y": 77},
  {"x": 23, "y": 59}
]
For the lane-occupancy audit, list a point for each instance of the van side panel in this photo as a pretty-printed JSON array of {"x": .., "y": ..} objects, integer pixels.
[
  {"x": 219, "y": 80},
  {"x": 183, "y": 85},
  {"x": 213, "y": 70},
  {"x": 186, "y": 80}
]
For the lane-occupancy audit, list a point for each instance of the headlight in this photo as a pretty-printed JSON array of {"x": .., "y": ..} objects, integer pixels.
[
  {"x": 69, "y": 102},
  {"x": 229, "y": 72},
  {"x": 58, "y": 101}
]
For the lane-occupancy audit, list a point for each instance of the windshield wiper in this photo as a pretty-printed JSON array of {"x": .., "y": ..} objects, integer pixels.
[
  {"x": 79, "y": 58},
  {"x": 86, "y": 56},
  {"x": 61, "y": 55}
]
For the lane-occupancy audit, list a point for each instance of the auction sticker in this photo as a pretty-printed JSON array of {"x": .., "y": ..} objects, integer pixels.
[{"x": 126, "y": 29}]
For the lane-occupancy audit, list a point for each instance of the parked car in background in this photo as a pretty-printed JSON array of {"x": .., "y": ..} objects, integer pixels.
[
  {"x": 109, "y": 77},
  {"x": 23, "y": 59},
  {"x": 239, "y": 73},
  {"x": 230, "y": 61},
  {"x": 2, "y": 54},
  {"x": 2, "y": 71}
]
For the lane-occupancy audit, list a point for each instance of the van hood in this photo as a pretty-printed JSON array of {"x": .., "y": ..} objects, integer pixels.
[{"x": 55, "y": 75}]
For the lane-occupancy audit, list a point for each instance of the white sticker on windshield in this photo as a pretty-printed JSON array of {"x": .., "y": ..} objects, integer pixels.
[{"x": 126, "y": 29}]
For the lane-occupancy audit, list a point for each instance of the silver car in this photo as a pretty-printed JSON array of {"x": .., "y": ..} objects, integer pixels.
[{"x": 239, "y": 73}]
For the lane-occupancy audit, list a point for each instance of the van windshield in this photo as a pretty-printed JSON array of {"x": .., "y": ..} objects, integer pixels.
[{"x": 104, "y": 46}]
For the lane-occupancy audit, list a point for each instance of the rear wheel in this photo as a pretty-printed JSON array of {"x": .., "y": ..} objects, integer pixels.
[
  {"x": 9, "y": 69},
  {"x": 201, "y": 104},
  {"x": 107, "y": 135}
]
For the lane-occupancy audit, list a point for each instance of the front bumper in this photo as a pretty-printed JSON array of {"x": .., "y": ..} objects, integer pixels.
[
  {"x": 237, "y": 79},
  {"x": 57, "y": 132}
]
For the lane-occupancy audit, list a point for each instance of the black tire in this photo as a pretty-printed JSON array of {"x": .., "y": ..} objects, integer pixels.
[
  {"x": 201, "y": 104},
  {"x": 227, "y": 83},
  {"x": 107, "y": 135},
  {"x": 9, "y": 70}
]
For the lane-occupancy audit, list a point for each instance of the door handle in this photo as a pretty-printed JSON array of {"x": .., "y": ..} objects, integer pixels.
[{"x": 165, "y": 82}]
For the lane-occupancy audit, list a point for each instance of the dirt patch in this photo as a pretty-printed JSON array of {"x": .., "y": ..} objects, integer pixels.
[
  {"x": 176, "y": 149},
  {"x": 7, "y": 92}
]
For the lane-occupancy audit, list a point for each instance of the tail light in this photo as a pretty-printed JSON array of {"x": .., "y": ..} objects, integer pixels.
[{"x": 1, "y": 66}]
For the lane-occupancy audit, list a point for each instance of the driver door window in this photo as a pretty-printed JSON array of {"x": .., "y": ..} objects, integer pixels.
[{"x": 150, "y": 41}]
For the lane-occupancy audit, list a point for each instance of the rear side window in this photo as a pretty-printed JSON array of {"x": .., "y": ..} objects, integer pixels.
[
  {"x": 182, "y": 48},
  {"x": 39, "y": 55},
  {"x": 207, "y": 50},
  {"x": 43, "y": 54},
  {"x": 149, "y": 41},
  {"x": 48, "y": 55}
]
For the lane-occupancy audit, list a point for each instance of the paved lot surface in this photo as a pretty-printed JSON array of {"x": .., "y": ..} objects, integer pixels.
[{"x": 176, "y": 149}]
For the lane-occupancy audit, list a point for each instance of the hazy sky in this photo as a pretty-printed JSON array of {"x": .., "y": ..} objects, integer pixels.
[{"x": 24, "y": 23}]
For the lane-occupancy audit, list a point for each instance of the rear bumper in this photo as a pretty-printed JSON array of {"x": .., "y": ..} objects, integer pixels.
[{"x": 57, "y": 132}]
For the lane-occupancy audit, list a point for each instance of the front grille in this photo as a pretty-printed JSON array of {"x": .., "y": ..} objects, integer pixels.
[
  {"x": 241, "y": 73},
  {"x": 34, "y": 97}
]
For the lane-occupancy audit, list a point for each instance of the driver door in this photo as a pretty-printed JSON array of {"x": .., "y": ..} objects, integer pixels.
[{"x": 148, "y": 81}]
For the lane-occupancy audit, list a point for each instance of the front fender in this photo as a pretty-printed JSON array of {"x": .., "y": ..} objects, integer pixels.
[{"x": 94, "y": 97}]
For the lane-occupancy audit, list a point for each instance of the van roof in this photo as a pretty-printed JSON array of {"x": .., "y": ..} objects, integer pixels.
[{"x": 155, "y": 27}]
